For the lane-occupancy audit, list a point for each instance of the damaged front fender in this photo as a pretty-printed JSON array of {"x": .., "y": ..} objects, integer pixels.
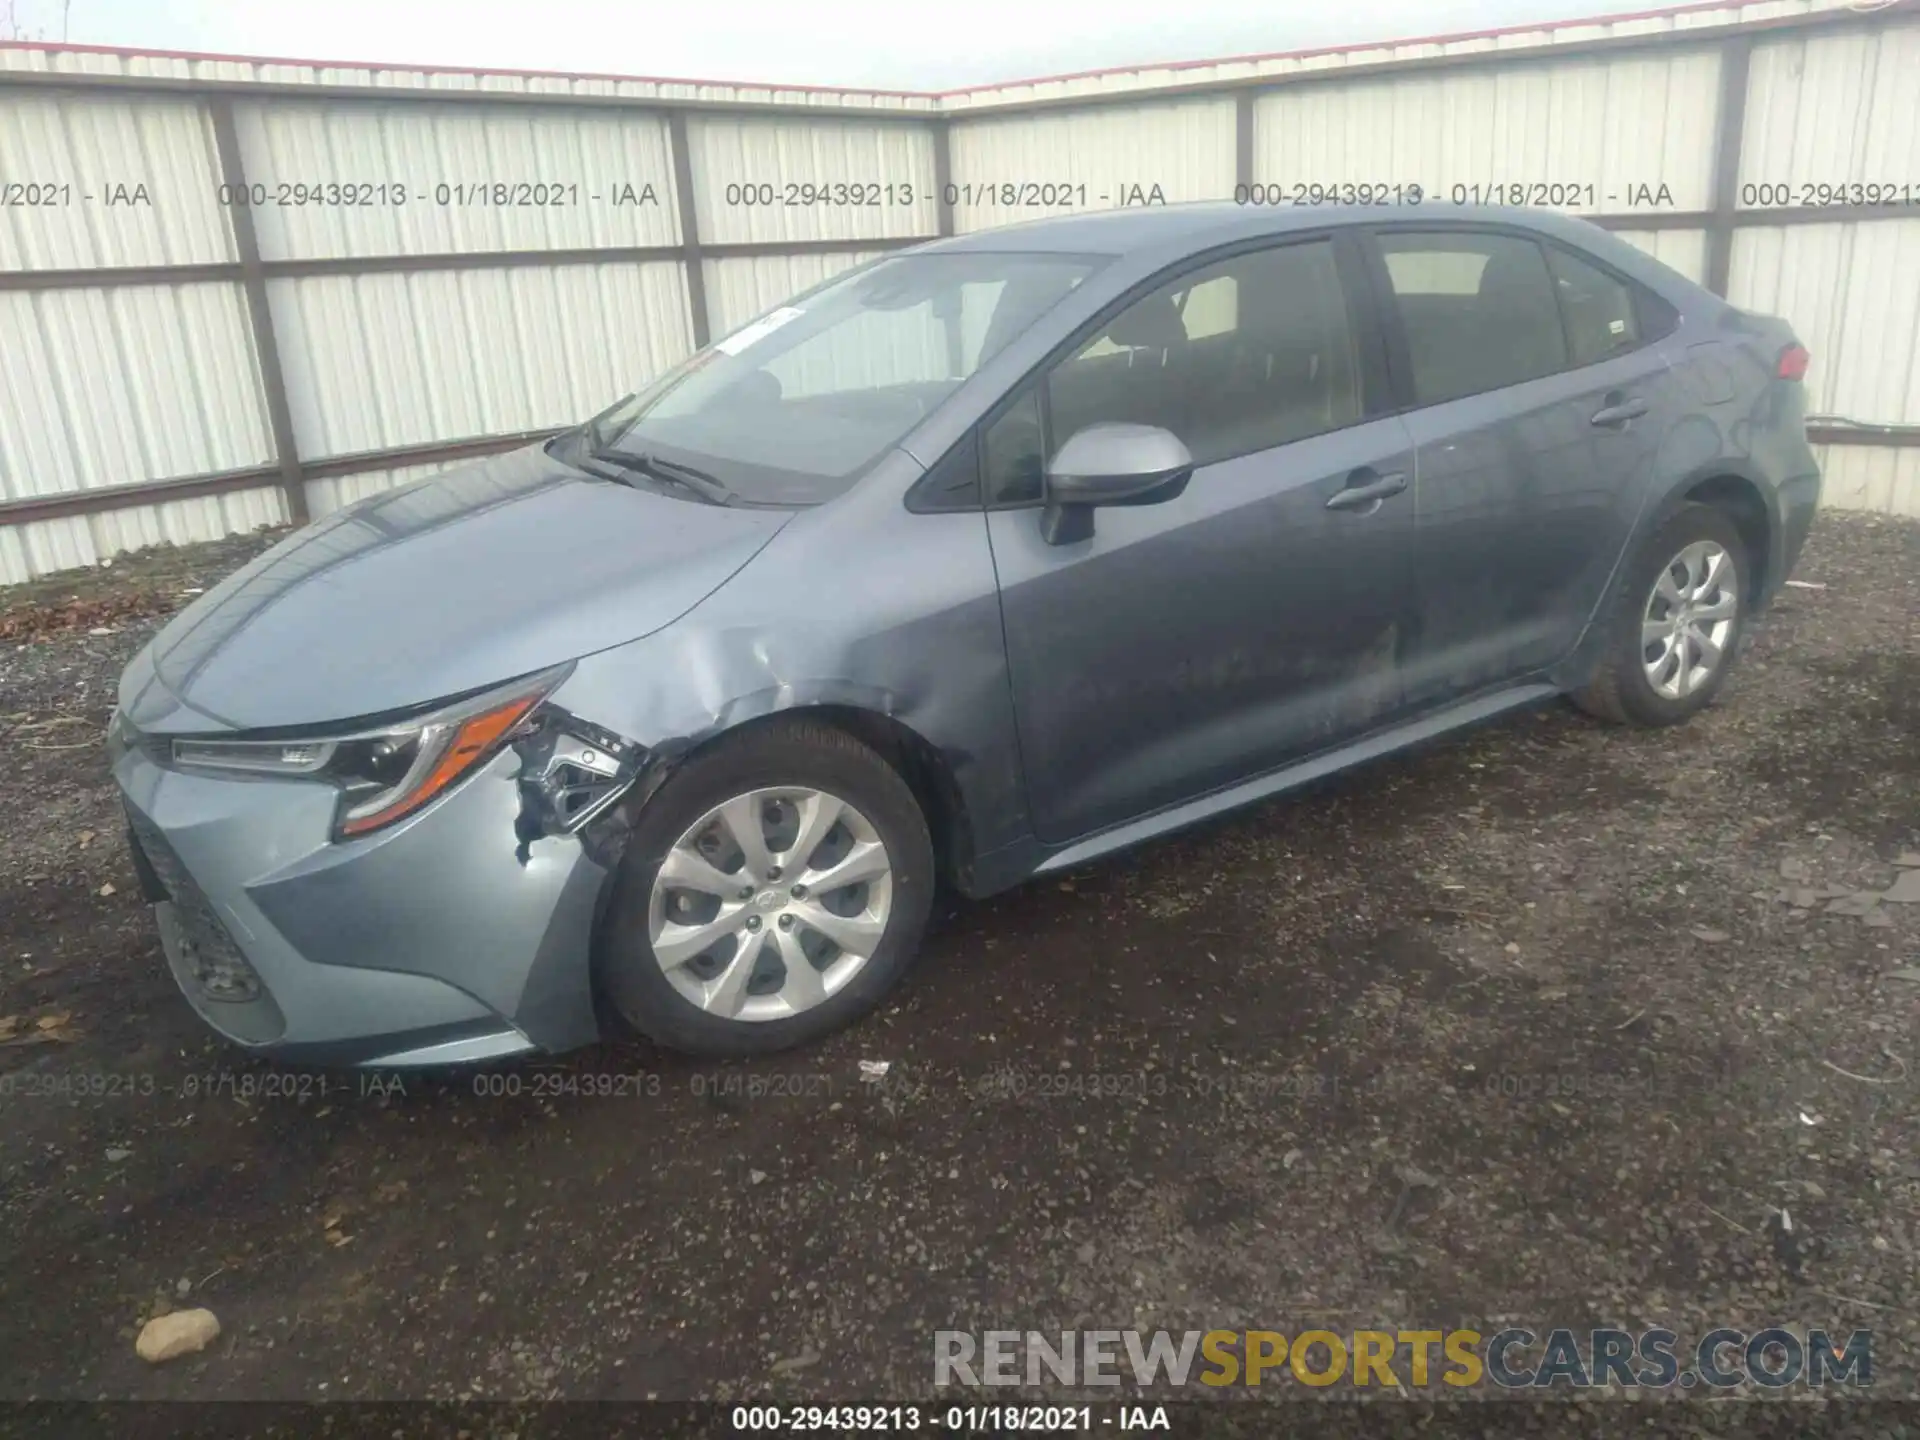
[
  {"x": 571, "y": 772},
  {"x": 889, "y": 622}
]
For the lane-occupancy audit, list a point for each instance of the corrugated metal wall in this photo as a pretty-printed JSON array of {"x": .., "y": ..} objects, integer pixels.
[
  {"x": 435, "y": 316},
  {"x": 1012, "y": 168},
  {"x": 379, "y": 361},
  {"x": 580, "y": 159}
]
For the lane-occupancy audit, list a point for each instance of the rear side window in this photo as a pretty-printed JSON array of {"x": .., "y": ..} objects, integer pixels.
[
  {"x": 1479, "y": 311},
  {"x": 1599, "y": 309}
]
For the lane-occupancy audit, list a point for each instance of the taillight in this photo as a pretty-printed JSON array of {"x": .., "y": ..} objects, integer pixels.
[{"x": 1793, "y": 362}]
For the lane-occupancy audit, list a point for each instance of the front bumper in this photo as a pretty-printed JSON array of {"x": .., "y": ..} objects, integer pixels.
[{"x": 443, "y": 940}]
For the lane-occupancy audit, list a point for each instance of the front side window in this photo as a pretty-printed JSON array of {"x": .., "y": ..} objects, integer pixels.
[
  {"x": 1239, "y": 356},
  {"x": 1013, "y": 453},
  {"x": 1478, "y": 310},
  {"x": 793, "y": 408}
]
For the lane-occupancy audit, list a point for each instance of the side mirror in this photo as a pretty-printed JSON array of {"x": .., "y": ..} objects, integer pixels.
[{"x": 1110, "y": 464}]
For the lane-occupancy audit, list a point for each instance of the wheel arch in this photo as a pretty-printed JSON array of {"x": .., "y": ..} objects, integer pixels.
[
  {"x": 1724, "y": 483},
  {"x": 926, "y": 769},
  {"x": 1744, "y": 502}
]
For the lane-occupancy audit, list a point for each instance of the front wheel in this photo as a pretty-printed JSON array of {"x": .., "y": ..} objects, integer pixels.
[
  {"x": 1676, "y": 623},
  {"x": 774, "y": 889}
]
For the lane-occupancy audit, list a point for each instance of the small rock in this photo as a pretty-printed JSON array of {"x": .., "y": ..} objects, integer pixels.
[
  {"x": 182, "y": 1286},
  {"x": 1878, "y": 920},
  {"x": 109, "y": 889},
  {"x": 184, "y": 1332},
  {"x": 1906, "y": 890},
  {"x": 1085, "y": 1253},
  {"x": 1865, "y": 903},
  {"x": 756, "y": 1177},
  {"x": 1794, "y": 868},
  {"x": 1290, "y": 1159},
  {"x": 1710, "y": 937},
  {"x": 117, "y": 1153},
  {"x": 796, "y": 1362}
]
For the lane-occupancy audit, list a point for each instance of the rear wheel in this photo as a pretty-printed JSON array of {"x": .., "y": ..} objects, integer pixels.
[
  {"x": 1675, "y": 625},
  {"x": 774, "y": 889}
]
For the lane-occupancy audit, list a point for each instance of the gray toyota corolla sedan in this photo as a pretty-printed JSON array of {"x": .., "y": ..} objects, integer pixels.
[{"x": 980, "y": 561}]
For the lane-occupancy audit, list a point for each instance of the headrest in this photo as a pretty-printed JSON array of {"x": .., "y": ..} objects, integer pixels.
[{"x": 1153, "y": 323}]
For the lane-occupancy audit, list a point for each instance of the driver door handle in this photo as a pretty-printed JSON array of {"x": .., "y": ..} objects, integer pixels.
[{"x": 1365, "y": 490}]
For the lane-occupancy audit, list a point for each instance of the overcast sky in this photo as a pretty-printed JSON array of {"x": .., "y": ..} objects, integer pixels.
[{"x": 906, "y": 44}]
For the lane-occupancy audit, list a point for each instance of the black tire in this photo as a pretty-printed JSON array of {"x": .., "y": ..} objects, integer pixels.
[
  {"x": 783, "y": 752},
  {"x": 1620, "y": 691}
]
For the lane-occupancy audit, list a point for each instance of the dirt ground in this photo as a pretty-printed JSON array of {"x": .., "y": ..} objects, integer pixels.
[{"x": 1547, "y": 1024}]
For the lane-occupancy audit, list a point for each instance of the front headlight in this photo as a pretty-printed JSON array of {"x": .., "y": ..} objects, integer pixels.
[{"x": 388, "y": 773}]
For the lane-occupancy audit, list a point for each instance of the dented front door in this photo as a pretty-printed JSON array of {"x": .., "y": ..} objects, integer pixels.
[{"x": 1207, "y": 639}]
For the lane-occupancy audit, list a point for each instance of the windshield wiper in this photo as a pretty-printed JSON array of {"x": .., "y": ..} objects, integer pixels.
[{"x": 699, "y": 482}]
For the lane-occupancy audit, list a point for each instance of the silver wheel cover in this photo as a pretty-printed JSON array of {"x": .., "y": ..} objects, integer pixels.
[
  {"x": 770, "y": 903},
  {"x": 1688, "y": 621}
]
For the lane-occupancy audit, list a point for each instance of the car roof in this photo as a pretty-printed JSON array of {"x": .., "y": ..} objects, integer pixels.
[{"x": 1132, "y": 229}]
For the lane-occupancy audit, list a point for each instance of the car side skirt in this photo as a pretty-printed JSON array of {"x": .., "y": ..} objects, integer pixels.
[{"x": 1015, "y": 863}]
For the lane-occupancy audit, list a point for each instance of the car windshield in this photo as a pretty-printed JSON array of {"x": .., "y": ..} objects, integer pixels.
[{"x": 794, "y": 407}]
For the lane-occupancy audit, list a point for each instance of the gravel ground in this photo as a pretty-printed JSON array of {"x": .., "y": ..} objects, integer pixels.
[{"x": 1548, "y": 1024}]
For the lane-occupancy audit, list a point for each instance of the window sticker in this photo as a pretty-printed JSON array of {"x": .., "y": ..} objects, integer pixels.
[{"x": 759, "y": 330}]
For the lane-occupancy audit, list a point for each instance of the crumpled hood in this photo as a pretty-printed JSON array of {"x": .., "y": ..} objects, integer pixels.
[{"x": 473, "y": 577}]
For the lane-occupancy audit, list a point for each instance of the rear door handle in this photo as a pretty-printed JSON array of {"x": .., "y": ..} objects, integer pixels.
[
  {"x": 1631, "y": 407},
  {"x": 1366, "y": 494}
]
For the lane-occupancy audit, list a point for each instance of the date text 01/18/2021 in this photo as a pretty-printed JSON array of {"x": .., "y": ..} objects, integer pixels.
[
  {"x": 1581, "y": 194},
  {"x": 1018, "y": 194},
  {"x": 959, "y": 1419},
  {"x": 445, "y": 194}
]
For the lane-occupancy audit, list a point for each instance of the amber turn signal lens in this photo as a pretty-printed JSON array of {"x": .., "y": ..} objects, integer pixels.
[{"x": 468, "y": 744}]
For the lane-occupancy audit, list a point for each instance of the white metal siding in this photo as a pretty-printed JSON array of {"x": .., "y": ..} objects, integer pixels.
[
  {"x": 1833, "y": 110},
  {"x": 106, "y": 386},
  {"x": 336, "y": 492},
  {"x": 756, "y": 154},
  {"x": 604, "y": 179},
  {"x": 374, "y": 361},
  {"x": 739, "y": 290},
  {"x": 1867, "y": 477},
  {"x": 1149, "y": 77},
  {"x": 297, "y": 72},
  {"x": 1184, "y": 147},
  {"x": 1852, "y": 292},
  {"x": 116, "y": 386},
  {"x": 105, "y": 153},
  {"x": 1684, "y": 250},
  {"x": 1613, "y": 125},
  {"x": 45, "y": 546}
]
